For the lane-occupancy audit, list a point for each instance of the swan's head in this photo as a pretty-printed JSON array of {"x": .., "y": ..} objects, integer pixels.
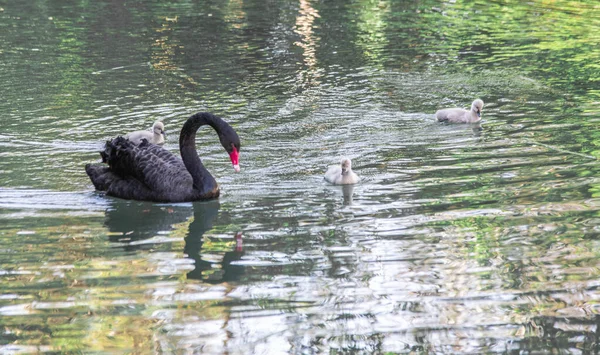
[
  {"x": 231, "y": 142},
  {"x": 346, "y": 166},
  {"x": 158, "y": 128},
  {"x": 477, "y": 106}
]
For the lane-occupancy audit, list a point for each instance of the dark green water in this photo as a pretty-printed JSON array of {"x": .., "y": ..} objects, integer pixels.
[{"x": 459, "y": 239}]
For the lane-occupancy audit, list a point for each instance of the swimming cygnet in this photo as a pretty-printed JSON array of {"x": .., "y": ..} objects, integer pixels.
[
  {"x": 341, "y": 174},
  {"x": 156, "y": 136},
  {"x": 459, "y": 115}
]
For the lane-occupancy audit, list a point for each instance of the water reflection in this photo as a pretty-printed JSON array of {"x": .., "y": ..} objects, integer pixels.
[
  {"x": 476, "y": 128},
  {"x": 130, "y": 222},
  {"x": 205, "y": 215},
  {"x": 214, "y": 272},
  {"x": 348, "y": 192},
  {"x": 304, "y": 27},
  {"x": 466, "y": 239},
  {"x": 139, "y": 226},
  {"x": 165, "y": 46}
]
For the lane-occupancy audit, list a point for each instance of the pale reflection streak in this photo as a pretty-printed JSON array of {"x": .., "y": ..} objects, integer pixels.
[
  {"x": 235, "y": 15},
  {"x": 309, "y": 41},
  {"x": 304, "y": 27},
  {"x": 167, "y": 46}
]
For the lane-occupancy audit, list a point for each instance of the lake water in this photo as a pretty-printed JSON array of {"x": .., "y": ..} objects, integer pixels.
[{"x": 459, "y": 239}]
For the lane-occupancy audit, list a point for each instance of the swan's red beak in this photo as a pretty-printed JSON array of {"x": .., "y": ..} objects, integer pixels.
[
  {"x": 238, "y": 242},
  {"x": 235, "y": 157}
]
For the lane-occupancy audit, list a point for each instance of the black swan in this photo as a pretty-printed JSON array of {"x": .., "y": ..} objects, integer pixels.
[
  {"x": 151, "y": 173},
  {"x": 156, "y": 136},
  {"x": 459, "y": 115}
]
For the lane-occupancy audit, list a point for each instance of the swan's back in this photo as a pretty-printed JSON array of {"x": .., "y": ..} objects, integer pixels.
[
  {"x": 452, "y": 115},
  {"x": 143, "y": 172}
]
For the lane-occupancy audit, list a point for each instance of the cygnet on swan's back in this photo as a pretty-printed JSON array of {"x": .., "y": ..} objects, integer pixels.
[
  {"x": 459, "y": 115},
  {"x": 341, "y": 174},
  {"x": 156, "y": 136}
]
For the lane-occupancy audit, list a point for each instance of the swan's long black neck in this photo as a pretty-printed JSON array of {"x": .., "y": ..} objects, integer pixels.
[{"x": 204, "y": 182}]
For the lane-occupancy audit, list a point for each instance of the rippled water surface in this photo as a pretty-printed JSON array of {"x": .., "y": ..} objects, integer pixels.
[{"x": 459, "y": 239}]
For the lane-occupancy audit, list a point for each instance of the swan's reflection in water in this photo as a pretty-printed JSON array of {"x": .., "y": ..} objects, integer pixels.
[
  {"x": 477, "y": 129},
  {"x": 459, "y": 128},
  {"x": 205, "y": 214},
  {"x": 132, "y": 222},
  {"x": 347, "y": 192},
  {"x": 209, "y": 271}
]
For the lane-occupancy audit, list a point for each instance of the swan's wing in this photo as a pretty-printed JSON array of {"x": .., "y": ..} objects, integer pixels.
[
  {"x": 353, "y": 178},
  {"x": 333, "y": 174},
  {"x": 114, "y": 185},
  {"x": 451, "y": 115},
  {"x": 152, "y": 165}
]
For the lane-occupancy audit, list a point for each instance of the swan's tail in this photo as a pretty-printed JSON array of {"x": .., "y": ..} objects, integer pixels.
[
  {"x": 105, "y": 180},
  {"x": 100, "y": 175},
  {"x": 103, "y": 176},
  {"x": 116, "y": 151}
]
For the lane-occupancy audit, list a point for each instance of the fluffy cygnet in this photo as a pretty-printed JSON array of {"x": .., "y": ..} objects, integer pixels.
[
  {"x": 341, "y": 174},
  {"x": 156, "y": 136},
  {"x": 459, "y": 115}
]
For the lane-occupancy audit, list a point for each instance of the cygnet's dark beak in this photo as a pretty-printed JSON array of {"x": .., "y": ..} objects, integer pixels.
[
  {"x": 344, "y": 171},
  {"x": 164, "y": 134},
  {"x": 478, "y": 113}
]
